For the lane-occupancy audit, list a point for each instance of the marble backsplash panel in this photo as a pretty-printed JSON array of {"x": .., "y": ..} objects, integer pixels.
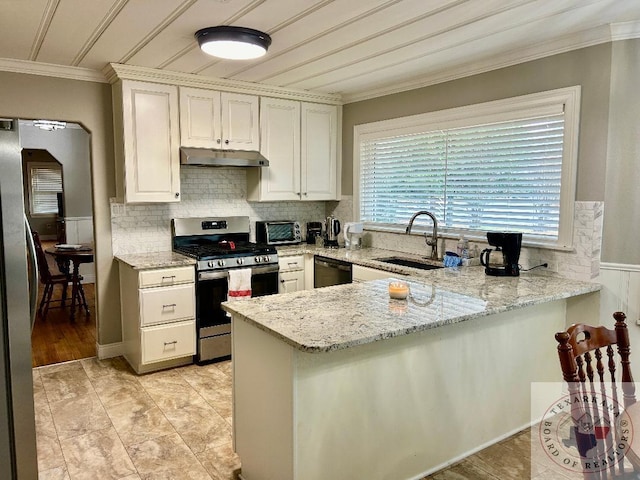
[
  {"x": 582, "y": 263},
  {"x": 206, "y": 192}
]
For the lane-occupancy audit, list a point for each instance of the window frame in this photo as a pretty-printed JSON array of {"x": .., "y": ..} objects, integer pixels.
[
  {"x": 488, "y": 112},
  {"x": 30, "y": 167}
]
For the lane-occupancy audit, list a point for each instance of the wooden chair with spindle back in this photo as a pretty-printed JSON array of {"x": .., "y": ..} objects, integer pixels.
[
  {"x": 49, "y": 280},
  {"x": 582, "y": 350}
]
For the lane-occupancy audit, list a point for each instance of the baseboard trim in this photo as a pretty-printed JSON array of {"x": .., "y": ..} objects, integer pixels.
[{"x": 109, "y": 350}]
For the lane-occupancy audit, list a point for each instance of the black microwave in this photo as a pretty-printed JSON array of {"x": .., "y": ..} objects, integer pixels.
[{"x": 281, "y": 232}]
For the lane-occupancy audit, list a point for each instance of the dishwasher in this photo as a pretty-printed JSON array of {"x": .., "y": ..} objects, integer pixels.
[{"x": 327, "y": 272}]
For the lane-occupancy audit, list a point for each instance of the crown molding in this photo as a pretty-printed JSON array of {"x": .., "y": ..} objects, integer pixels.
[
  {"x": 51, "y": 70},
  {"x": 117, "y": 71},
  {"x": 625, "y": 30},
  {"x": 567, "y": 43}
]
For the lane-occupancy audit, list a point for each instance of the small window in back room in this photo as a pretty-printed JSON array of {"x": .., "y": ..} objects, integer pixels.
[{"x": 45, "y": 182}]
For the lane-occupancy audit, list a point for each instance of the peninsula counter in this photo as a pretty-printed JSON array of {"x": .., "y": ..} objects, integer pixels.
[{"x": 345, "y": 383}]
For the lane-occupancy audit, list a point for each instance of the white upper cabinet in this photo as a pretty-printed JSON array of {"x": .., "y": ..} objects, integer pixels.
[
  {"x": 280, "y": 134},
  {"x": 300, "y": 142},
  {"x": 200, "y": 118},
  {"x": 146, "y": 132},
  {"x": 240, "y": 130},
  {"x": 211, "y": 119},
  {"x": 318, "y": 158}
]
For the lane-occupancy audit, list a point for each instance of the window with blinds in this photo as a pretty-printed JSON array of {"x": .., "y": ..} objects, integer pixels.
[
  {"x": 45, "y": 182},
  {"x": 480, "y": 173}
]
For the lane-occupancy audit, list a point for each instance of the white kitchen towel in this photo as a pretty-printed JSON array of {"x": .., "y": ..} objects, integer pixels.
[{"x": 239, "y": 284}]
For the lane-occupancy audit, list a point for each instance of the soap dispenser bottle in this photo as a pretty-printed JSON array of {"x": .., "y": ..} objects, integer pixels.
[{"x": 463, "y": 247}]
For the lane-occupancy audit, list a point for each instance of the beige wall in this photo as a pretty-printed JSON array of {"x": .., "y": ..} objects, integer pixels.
[
  {"x": 609, "y": 145},
  {"x": 622, "y": 195},
  {"x": 89, "y": 104},
  {"x": 588, "y": 67}
]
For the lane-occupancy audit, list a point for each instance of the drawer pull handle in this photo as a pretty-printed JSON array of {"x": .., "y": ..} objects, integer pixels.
[
  {"x": 170, "y": 343},
  {"x": 169, "y": 277},
  {"x": 293, "y": 263},
  {"x": 171, "y": 305}
]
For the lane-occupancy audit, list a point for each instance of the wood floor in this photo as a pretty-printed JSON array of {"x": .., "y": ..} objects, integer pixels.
[{"x": 58, "y": 340}]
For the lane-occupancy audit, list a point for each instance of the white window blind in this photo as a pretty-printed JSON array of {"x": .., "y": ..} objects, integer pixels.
[
  {"x": 476, "y": 170},
  {"x": 46, "y": 182}
]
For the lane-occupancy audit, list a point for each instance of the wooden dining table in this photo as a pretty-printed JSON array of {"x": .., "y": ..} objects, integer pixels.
[{"x": 69, "y": 261}]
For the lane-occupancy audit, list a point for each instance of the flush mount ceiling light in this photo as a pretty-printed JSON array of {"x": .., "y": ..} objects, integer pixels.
[
  {"x": 49, "y": 125},
  {"x": 233, "y": 43}
]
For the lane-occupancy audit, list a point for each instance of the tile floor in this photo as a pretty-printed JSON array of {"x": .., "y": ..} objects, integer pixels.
[{"x": 99, "y": 420}]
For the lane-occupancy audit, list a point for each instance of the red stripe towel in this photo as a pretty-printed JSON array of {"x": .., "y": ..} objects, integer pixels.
[{"x": 239, "y": 284}]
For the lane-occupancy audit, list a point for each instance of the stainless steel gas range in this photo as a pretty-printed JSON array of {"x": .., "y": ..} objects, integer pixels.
[{"x": 221, "y": 244}]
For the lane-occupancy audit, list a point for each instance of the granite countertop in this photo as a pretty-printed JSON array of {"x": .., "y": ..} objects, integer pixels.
[
  {"x": 143, "y": 261},
  {"x": 344, "y": 316},
  {"x": 365, "y": 257}
]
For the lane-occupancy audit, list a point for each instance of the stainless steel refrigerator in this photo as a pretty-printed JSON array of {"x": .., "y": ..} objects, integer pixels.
[{"x": 17, "y": 301}]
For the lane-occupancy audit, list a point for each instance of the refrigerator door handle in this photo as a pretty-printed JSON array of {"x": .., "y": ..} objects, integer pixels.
[{"x": 33, "y": 291}]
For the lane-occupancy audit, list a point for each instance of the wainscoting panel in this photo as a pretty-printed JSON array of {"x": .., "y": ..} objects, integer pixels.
[
  {"x": 621, "y": 292},
  {"x": 80, "y": 230}
]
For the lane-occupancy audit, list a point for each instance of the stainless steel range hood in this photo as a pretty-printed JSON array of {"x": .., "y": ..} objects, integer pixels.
[{"x": 208, "y": 157}]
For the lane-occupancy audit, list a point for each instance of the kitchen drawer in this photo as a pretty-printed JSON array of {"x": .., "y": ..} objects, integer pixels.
[
  {"x": 294, "y": 262},
  {"x": 167, "y": 304},
  {"x": 164, "y": 277},
  {"x": 164, "y": 342}
]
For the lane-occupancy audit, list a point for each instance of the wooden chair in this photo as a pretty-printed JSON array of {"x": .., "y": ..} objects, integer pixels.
[
  {"x": 49, "y": 280},
  {"x": 588, "y": 365}
]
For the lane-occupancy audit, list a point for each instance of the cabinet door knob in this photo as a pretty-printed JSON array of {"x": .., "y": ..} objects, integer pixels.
[
  {"x": 305, "y": 194},
  {"x": 177, "y": 194},
  {"x": 226, "y": 142},
  {"x": 218, "y": 140}
]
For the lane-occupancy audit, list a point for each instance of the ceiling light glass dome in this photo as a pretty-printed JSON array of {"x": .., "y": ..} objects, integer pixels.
[{"x": 233, "y": 43}]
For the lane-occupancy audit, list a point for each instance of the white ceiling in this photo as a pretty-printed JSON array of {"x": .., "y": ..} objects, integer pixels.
[{"x": 356, "y": 48}]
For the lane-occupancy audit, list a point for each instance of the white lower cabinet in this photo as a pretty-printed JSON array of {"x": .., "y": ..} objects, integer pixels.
[
  {"x": 291, "y": 276},
  {"x": 363, "y": 274},
  {"x": 164, "y": 342},
  {"x": 158, "y": 317}
]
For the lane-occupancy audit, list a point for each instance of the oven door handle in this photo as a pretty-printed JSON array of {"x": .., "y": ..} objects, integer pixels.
[
  {"x": 265, "y": 269},
  {"x": 225, "y": 273},
  {"x": 212, "y": 275}
]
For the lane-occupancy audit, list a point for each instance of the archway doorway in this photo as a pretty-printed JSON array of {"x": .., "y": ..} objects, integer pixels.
[{"x": 58, "y": 204}]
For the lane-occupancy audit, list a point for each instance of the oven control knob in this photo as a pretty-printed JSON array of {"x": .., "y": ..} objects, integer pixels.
[
  {"x": 221, "y": 263},
  {"x": 210, "y": 264},
  {"x": 258, "y": 259},
  {"x": 240, "y": 261},
  {"x": 265, "y": 259}
]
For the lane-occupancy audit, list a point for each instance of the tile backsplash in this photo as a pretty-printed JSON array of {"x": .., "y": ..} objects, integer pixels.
[
  {"x": 223, "y": 192},
  {"x": 582, "y": 263},
  {"x": 206, "y": 192}
]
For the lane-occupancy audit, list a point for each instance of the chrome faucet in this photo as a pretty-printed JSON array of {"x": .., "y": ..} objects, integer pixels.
[{"x": 433, "y": 243}]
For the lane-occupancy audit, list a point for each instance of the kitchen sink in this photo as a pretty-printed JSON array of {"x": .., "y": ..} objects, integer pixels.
[{"x": 408, "y": 262}]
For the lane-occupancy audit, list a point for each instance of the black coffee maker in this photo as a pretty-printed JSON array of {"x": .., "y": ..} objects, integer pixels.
[{"x": 508, "y": 244}]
